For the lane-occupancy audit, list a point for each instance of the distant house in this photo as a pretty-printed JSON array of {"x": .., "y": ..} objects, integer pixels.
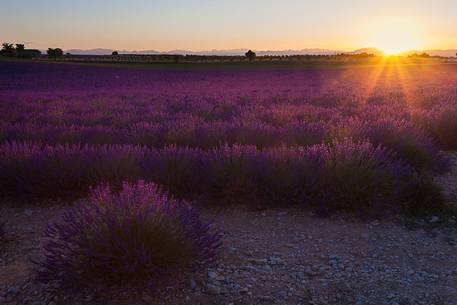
[{"x": 30, "y": 53}]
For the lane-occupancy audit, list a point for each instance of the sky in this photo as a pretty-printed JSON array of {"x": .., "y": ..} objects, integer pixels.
[{"x": 215, "y": 24}]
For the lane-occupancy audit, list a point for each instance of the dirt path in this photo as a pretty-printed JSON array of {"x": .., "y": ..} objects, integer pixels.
[{"x": 279, "y": 257}]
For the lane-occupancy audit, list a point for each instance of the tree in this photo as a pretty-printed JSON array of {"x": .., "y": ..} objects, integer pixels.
[
  {"x": 20, "y": 50},
  {"x": 51, "y": 53},
  {"x": 20, "y": 47},
  {"x": 7, "y": 46},
  {"x": 7, "y": 49},
  {"x": 115, "y": 53},
  {"x": 54, "y": 53},
  {"x": 59, "y": 52},
  {"x": 250, "y": 55}
]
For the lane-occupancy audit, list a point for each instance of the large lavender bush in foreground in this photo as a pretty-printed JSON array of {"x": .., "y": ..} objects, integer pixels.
[{"x": 138, "y": 237}]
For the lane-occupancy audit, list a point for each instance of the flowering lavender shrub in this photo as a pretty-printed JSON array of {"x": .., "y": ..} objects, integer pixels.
[
  {"x": 441, "y": 122},
  {"x": 361, "y": 178},
  {"x": 138, "y": 237},
  {"x": 408, "y": 141},
  {"x": 33, "y": 171}
]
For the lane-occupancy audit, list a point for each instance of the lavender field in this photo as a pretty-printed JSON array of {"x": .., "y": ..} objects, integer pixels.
[
  {"x": 362, "y": 139},
  {"x": 144, "y": 177}
]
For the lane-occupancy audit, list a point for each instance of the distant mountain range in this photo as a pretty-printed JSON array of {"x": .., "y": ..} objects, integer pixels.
[
  {"x": 233, "y": 52},
  {"x": 240, "y": 52}
]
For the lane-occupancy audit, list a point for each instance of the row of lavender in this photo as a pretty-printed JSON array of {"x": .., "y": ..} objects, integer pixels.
[
  {"x": 341, "y": 176},
  {"x": 410, "y": 141},
  {"x": 192, "y": 122}
]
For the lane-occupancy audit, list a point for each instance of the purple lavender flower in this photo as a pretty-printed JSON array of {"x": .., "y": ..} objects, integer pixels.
[{"x": 138, "y": 236}]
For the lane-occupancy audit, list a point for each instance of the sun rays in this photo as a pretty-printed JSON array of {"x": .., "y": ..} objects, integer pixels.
[{"x": 391, "y": 71}]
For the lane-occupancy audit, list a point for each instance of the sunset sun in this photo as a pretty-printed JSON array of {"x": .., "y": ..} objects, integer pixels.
[
  {"x": 394, "y": 38},
  {"x": 395, "y": 43},
  {"x": 396, "y": 48}
]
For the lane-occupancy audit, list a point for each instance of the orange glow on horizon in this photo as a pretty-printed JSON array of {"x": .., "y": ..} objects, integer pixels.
[{"x": 396, "y": 36}]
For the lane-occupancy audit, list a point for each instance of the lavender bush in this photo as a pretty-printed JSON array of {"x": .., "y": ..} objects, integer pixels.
[
  {"x": 362, "y": 178},
  {"x": 441, "y": 122},
  {"x": 33, "y": 171},
  {"x": 409, "y": 142},
  {"x": 138, "y": 236}
]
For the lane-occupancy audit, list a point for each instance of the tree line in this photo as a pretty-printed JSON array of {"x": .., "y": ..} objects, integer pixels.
[
  {"x": 9, "y": 49},
  {"x": 18, "y": 50}
]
